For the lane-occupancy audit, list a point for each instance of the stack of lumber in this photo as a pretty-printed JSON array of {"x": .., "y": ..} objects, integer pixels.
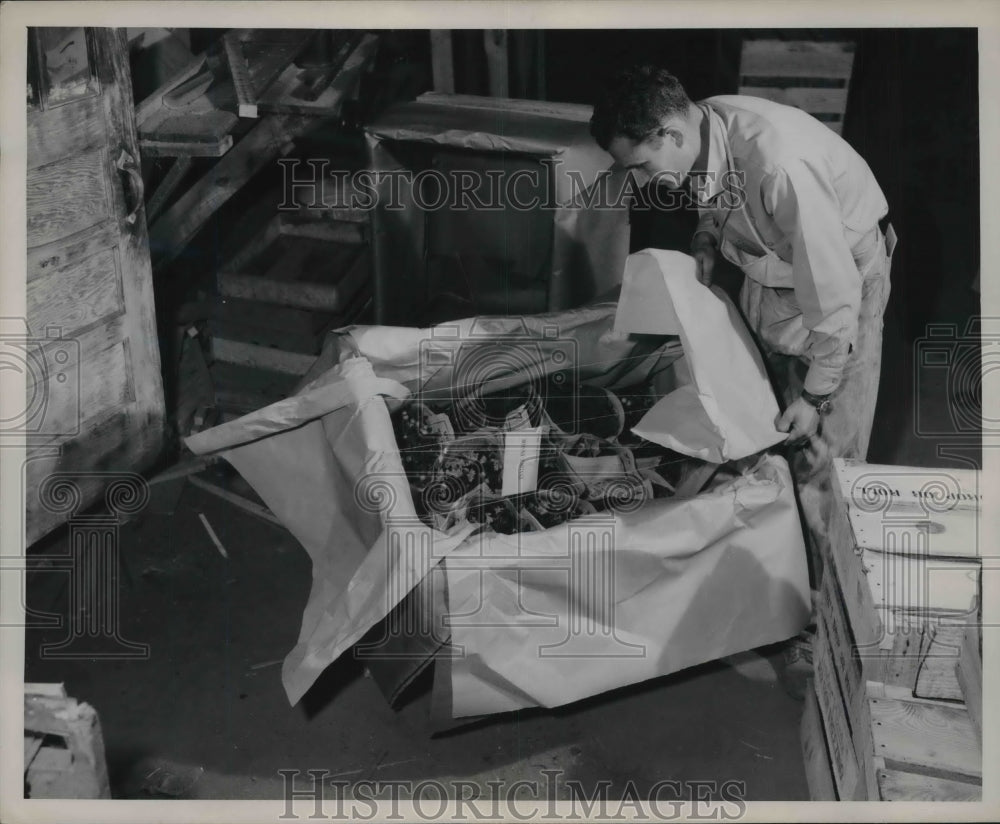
[
  {"x": 306, "y": 272},
  {"x": 888, "y": 717},
  {"x": 811, "y": 75}
]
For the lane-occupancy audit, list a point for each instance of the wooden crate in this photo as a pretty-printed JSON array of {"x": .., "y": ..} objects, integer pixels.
[
  {"x": 819, "y": 770},
  {"x": 888, "y": 636},
  {"x": 811, "y": 75},
  {"x": 63, "y": 746},
  {"x": 315, "y": 266}
]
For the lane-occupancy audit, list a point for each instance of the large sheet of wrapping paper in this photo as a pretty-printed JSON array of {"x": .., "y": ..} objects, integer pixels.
[
  {"x": 325, "y": 461},
  {"x": 728, "y": 410},
  {"x": 543, "y": 619},
  {"x": 306, "y": 457}
]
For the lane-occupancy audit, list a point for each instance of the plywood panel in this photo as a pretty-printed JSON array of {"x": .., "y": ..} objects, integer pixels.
[
  {"x": 66, "y": 197},
  {"x": 54, "y": 134},
  {"x": 925, "y": 733},
  {"x": 819, "y": 772},
  {"x": 897, "y": 785},
  {"x": 76, "y": 296}
]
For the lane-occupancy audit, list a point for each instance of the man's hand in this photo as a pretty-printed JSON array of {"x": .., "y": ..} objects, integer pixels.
[
  {"x": 800, "y": 421},
  {"x": 703, "y": 251}
]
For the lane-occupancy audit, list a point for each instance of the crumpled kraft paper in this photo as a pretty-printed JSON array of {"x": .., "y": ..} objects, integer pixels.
[
  {"x": 728, "y": 409},
  {"x": 544, "y": 619},
  {"x": 326, "y": 463}
]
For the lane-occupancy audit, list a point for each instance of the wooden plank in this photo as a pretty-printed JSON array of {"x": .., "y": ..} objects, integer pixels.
[
  {"x": 969, "y": 674},
  {"x": 796, "y": 58},
  {"x": 851, "y": 580},
  {"x": 332, "y": 295},
  {"x": 819, "y": 772},
  {"x": 154, "y": 102},
  {"x": 79, "y": 295},
  {"x": 442, "y": 61},
  {"x": 936, "y": 674},
  {"x": 238, "y": 501},
  {"x": 497, "y": 63},
  {"x": 56, "y": 209},
  {"x": 344, "y": 86},
  {"x": 55, "y": 133},
  {"x": 920, "y": 584},
  {"x": 851, "y": 701},
  {"x": 256, "y": 58},
  {"x": 833, "y": 101},
  {"x": 47, "y": 690},
  {"x": 262, "y": 314},
  {"x": 299, "y": 340},
  {"x": 543, "y": 108},
  {"x": 899, "y": 785},
  {"x": 952, "y": 534},
  {"x": 175, "y": 175},
  {"x": 352, "y": 233},
  {"x": 194, "y": 146},
  {"x": 925, "y": 733},
  {"x": 264, "y": 357},
  {"x": 847, "y": 773},
  {"x": 902, "y": 489},
  {"x": 271, "y": 137}
]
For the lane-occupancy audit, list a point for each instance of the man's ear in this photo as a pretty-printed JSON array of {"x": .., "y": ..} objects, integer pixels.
[{"x": 674, "y": 135}]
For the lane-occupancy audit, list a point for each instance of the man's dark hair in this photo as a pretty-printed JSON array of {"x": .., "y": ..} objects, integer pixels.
[{"x": 634, "y": 103}]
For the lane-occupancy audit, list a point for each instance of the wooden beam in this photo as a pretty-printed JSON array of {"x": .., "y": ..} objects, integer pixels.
[
  {"x": 442, "y": 61},
  {"x": 167, "y": 187},
  {"x": 271, "y": 137},
  {"x": 497, "y": 63}
]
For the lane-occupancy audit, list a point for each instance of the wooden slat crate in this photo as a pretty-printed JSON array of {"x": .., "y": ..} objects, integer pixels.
[
  {"x": 889, "y": 634},
  {"x": 819, "y": 770},
  {"x": 810, "y": 75},
  {"x": 63, "y": 746},
  {"x": 316, "y": 272}
]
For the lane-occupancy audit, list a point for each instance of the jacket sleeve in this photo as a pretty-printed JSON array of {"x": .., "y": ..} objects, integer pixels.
[{"x": 827, "y": 285}]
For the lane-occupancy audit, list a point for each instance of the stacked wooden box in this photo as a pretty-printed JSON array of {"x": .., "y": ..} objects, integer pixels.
[
  {"x": 811, "y": 75},
  {"x": 894, "y": 711},
  {"x": 306, "y": 272}
]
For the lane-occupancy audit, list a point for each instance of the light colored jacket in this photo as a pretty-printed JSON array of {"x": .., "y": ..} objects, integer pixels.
[{"x": 792, "y": 204}]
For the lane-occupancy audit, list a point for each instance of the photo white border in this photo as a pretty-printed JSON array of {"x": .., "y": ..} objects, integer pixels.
[{"x": 15, "y": 16}]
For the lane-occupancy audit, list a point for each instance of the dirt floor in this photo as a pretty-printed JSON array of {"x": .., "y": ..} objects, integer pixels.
[{"x": 204, "y": 715}]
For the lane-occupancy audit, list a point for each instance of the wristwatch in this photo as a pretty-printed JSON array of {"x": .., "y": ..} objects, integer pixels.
[{"x": 822, "y": 403}]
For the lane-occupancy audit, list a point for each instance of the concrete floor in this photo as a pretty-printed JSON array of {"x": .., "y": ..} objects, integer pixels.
[
  {"x": 198, "y": 702},
  {"x": 196, "y": 719}
]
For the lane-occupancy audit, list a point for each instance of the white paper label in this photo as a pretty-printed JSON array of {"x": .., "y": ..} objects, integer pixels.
[{"x": 520, "y": 460}]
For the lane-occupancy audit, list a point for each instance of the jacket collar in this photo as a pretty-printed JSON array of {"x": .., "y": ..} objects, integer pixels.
[{"x": 717, "y": 163}]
